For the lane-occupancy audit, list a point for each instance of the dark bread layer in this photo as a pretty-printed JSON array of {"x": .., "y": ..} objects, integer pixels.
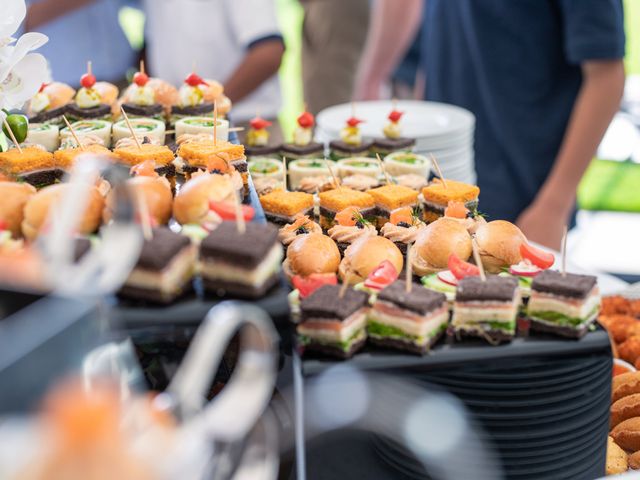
[
  {"x": 495, "y": 288},
  {"x": 261, "y": 151},
  {"x": 163, "y": 247},
  {"x": 299, "y": 150},
  {"x": 42, "y": 178},
  {"x": 219, "y": 288},
  {"x": 496, "y": 336},
  {"x": 203, "y": 109},
  {"x": 563, "y": 331},
  {"x": 340, "y": 146},
  {"x": 143, "y": 110},
  {"x": 102, "y": 110},
  {"x": 145, "y": 295},
  {"x": 48, "y": 115},
  {"x": 331, "y": 351},
  {"x": 279, "y": 220},
  {"x": 326, "y": 303},
  {"x": 571, "y": 285},
  {"x": 245, "y": 250},
  {"x": 419, "y": 300},
  {"x": 392, "y": 144},
  {"x": 367, "y": 213}
]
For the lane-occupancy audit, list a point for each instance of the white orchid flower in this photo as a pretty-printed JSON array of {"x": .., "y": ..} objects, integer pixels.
[{"x": 21, "y": 72}]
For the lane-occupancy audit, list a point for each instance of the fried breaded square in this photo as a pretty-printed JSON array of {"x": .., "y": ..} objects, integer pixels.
[
  {"x": 341, "y": 198},
  {"x": 65, "y": 158},
  {"x": 439, "y": 194},
  {"x": 391, "y": 197},
  {"x": 286, "y": 203},
  {"x": 133, "y": 155},
  {"x": 31, "y": 158}
]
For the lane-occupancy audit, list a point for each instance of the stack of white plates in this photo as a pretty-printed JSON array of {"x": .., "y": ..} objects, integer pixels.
[{"x": 443, "y": 130}]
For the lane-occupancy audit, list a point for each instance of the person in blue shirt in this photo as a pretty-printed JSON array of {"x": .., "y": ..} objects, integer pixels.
[
  {"x": 79, "y": 31},
  {"x": 544, "y": 79}
]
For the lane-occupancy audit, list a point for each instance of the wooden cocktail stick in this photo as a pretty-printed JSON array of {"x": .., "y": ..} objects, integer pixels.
[
  {"x": 435, "y": 164},
  {"x": 73, "y": 133},
  {"x": 133, "y": 133}
]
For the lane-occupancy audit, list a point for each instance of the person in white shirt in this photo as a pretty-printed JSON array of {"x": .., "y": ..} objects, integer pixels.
[{"x": 237, "y": 42}]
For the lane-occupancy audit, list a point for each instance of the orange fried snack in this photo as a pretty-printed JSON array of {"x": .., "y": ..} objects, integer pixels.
[
  {"x": 32, "y": 158},
  {"x": 629, "y": 350},
  {"x": 212, "y": 157},
  {"x": 65, "y": 158},
  {"x": 132, "y": 155}
]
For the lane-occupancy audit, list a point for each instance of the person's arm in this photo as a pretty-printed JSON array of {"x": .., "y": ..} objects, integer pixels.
[
  {"x": 394, "y": 24},
  {"x": 41, "y": 13},
  {"x": 259, "y": 64},
  {"x": 597, "y": 102}
]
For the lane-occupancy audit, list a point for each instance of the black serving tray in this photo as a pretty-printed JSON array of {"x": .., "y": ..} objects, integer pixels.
[
  {"x": 148, "y": 322},
  {"x": 566, "y": 410}
]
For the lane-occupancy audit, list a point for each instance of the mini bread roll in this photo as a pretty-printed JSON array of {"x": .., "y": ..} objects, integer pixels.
[
  {"x": 625, "y": 408},
  {"x": 634, "y": 461},
  {"x": 627, "y": 434},
  {"x": 617, "y": 461},
  {"x": 191, "y": 204},
  {"x": 156, "y": 192},
  {"x": 435, "y": 243},
  {"x": 311, "y": 253},
  {"x": 499, "y": 245},
  {"x": 14, "y": 197},
  {"x": 625, "y": 385},
  {"x": 365, "y": 255}
]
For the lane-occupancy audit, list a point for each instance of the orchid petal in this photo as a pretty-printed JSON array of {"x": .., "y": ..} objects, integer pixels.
[
  {"x": 13, "y": 13},
  {"x": 24, "y": 81}
]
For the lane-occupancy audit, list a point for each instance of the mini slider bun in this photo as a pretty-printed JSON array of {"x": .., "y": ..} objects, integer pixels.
[
  {"x": 191, "y": 204},
  {"x": 156, "y": 192},
  {"x": 14, "y": 197},
  {"x": 437, "y": 242},
  {"x": 311, "y": 253},
  {"x": 37, "y": 209},
  {"x": 499, "y": 245},
  {"x": 365, "y": 255}
]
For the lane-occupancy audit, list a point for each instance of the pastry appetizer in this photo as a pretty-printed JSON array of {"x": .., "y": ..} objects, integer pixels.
[
  {"x": 311, "y": 254},
  {"x": 149, "y": 128},
  {"x": 350, "y": 226},
  {"x": 393, "y": 141},
  {"x": 34, "y": 165},
  {"x": 264, "y": 167},
  {"x": 360, "y": 182},
  {"x": 306, "y": 169},
  {"x": 49, "y": 104},
  {"x": 403, "y": 227},
  {"x": 486, "y": 308},
  {"x": 191, "y": 100},
  {"x": 303, "y": 145},
  {"x": 257, "y": 140},
  {"x": 411, "y": 321},
  {"x": 89, "y": 103},
  {"x": 365, "y": 255},
  {"x": 359, "y": 166},
  {"x": 334, "y": 201},
  {"x": 202, "y": 125},
  {"x": 302, "y": 225},
  {"x": 244, "y": 264},
  {"x": 435, "y": 197},
  {"x": 83, "y": 128},
  {"x": 565, "y": 305},
  {"x": 222, "y": 157},
  {"x": 45, "y": 134},
  {"x": 164, "y": 269},
  {"x": 141, "y": 100},
  {"x": 65, "y": 158},
  {"x": 407, "y": 163},
  {"x": 391, "y": 197},
  {"x": 332, "y": 325},
  {"x": 192, "y": 204},
  {"x": 282, "y": 207},
  {"x": 350, "y": 143}
]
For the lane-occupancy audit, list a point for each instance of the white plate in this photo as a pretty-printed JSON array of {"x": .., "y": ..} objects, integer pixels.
[{"x": 421, "y": 119}]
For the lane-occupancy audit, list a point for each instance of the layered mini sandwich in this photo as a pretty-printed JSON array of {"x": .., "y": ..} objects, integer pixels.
[
  {"x": 257, "y": 139},
  {"x": 393, "y": 141},
  {"x": 334, "y": 201},
  {"x": 93, "y": 100},
  {"x": 164, "y": 269},
  {"x": 205, "y": 155},
  {"x": 351, "y": 143},
  {"x": 486, "y": 309},
  {"x": 161, "y": 155},
  {"x": 65, "y": 158},
  {"x": 565, "y": 305},
  {"x": 50, "y": 103},
  {"x": 411, "y": 321},
  {"x": 244, "y": 264},
  {"x": 436, "y": 196},
  {"x": 302, "y": 145},
  {"x": 141, "y": 100},
  {"x": 392, "y": 197},
  {"x": 282, "y": 207},
  {"x": 33, "y": 165},
  {"x": 332, "y": 325}
]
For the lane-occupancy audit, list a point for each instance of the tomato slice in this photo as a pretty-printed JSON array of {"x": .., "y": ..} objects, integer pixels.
[
  {"x": 227, "y": 210},
  {"x": 447, "y": 277},
  {"x": 3, "y": 225},
  {"x": 401, "y": 215},
  {"x": 307, "y": 285},
  {"x": 460, "y": 268},
  {"x": 538, "y": 257},
  {"x": 382, "y": 276},
  {"x": 347, "y": 217},
  {"x": 456, "y": 210}
]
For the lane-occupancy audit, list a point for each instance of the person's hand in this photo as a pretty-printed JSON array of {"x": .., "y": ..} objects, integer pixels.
[
  {"x": 542, "y": 223},
  {"x": 367, "y": 89}
]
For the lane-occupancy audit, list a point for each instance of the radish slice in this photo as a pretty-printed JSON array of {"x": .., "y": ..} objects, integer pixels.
[
  {"x": 447, "y": 277},
  {"x": 524, "y": 270}
]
